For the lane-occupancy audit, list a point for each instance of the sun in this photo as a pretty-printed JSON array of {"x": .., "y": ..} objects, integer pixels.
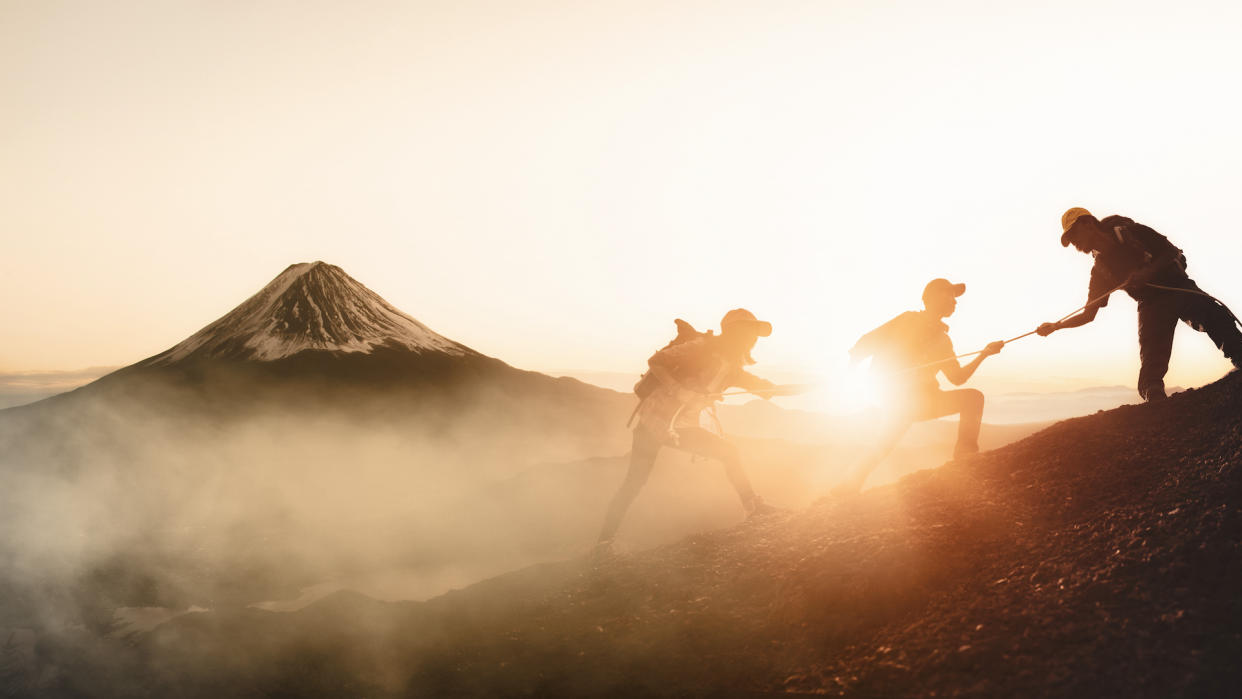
[{"x": 848, "y": 389}]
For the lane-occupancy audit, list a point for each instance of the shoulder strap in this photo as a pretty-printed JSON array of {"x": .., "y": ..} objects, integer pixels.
[{"x": 1152, "y": 243}]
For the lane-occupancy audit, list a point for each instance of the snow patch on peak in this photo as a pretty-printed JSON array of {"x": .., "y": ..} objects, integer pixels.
[{"x": 309, "y": 306}]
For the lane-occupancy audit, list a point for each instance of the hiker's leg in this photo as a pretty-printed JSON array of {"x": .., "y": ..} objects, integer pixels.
[
  {"x": 967, "y": 403},
  {"x": 1157, "y": 319},
  {"x": 699, "y": 441},
  {"x": 642, "y": 460},
  {"x": 895, "y": 425},
  {"x": 1210, "y": 316}
]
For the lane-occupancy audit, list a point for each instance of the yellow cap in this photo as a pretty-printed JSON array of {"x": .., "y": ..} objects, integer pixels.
[{"x": 1071, "y": 215}]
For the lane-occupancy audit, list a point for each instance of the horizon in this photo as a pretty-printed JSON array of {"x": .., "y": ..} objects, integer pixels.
[{"x": 845, "y": 393}]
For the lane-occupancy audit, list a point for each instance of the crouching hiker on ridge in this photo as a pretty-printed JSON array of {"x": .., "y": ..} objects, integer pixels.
[
  {"x": 908, "y": 352},
  {"x": 678, "y": 395},
  {"x": 1152, "y": 271}
]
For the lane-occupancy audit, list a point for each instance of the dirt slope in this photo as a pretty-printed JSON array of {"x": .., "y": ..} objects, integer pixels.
[
  {"x": 1102, "y": 556},
  {"x": 1099, "y": 556}
]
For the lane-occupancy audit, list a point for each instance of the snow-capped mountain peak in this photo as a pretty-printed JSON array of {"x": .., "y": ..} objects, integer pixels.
[{"x": 309, "y": 306}]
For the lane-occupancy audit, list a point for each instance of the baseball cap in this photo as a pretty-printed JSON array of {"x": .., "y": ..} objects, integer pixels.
[
  {"x": 743, "y": 316},
  {"x": 943, "y": 286},
  {"x": 1068, "y": 219}
]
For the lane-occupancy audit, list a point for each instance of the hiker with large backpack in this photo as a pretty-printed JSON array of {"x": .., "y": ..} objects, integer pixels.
[
  {"x": 1152, "y": 271},
  {"x": 677, "y": 409},
  {"x": 907, "y": 353}
]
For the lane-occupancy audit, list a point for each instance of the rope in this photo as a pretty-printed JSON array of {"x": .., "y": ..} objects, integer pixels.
[
  {"x": 785, "y": 390},
  {"x": 1090, "y": 303},
  {"x": 1199, "y": 292},
  {"x": 791, "y": 389},
  {"x": 1074, "y": 312},
  {"x": 776, "y": 390},
  {"x": 794, "y": 389}
]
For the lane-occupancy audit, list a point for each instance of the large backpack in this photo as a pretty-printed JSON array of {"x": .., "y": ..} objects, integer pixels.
[{"x": 685, "y": 333}]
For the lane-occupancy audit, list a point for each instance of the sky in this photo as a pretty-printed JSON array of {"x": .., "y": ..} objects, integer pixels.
[{"x": 552, "y": 183}]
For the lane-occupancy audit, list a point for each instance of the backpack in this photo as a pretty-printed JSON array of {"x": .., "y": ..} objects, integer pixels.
[
  {"x": 896, "y": 346},
  {"x": 1145, "y": 240},
  {"x": 685, "y": 333}
]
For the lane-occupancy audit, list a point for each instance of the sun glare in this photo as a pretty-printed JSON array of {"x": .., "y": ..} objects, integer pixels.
[{"x": 847, "y": 389}]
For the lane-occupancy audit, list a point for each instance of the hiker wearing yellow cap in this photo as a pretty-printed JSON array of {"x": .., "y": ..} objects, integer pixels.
[
  {"x": 908, "y": 352},
  {"x": 1152, "y": 271},
  {"x": 683, "y": 383}
]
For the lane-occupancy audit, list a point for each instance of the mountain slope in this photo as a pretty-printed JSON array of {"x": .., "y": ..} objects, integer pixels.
[
  {"x": 315, "y": 343},
  {"x": 309, "y": 306},
  {"x": 265, "y": 452},
  {"x": 315, "y": 326},
  {"x": 1101, "y": 556}
]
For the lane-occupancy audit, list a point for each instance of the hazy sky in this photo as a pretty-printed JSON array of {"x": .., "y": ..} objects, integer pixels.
[{"x": 552, "y": 183}]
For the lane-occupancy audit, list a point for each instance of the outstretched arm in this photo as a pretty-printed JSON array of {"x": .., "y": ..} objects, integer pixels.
[
  {"x": 958, "y": 374},
  {"x": 752, "y": 383},
  {"x": 1087, "y": 315}
]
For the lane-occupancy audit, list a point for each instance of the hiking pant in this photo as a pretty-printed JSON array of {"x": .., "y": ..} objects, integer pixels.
[
  {"x": 1158, "y": 314},
  {"x": 966, "y": 402},
  {"x": 695, "y": 440}
]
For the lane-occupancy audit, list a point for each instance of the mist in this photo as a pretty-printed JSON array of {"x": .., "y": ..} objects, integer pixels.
[{"x": 143, "y": 498}]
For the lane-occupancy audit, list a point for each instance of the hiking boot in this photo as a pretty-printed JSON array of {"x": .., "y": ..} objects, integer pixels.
[
  {"x": 1155, "y": 394},
  {"x": 759, "y": 508},
  {"x": 605, "y": 550},
  {"x": 965, "y": 451}
]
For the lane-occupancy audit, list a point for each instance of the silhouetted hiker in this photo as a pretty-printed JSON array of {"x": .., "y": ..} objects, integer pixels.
[
  {"x": 1132, "y": 256},
  {"x": 908, "y": 352},
  {"x": 680, "y": 391}
]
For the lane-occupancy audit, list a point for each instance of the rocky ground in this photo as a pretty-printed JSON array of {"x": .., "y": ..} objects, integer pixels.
[{"x": 1101, "y": 556}]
